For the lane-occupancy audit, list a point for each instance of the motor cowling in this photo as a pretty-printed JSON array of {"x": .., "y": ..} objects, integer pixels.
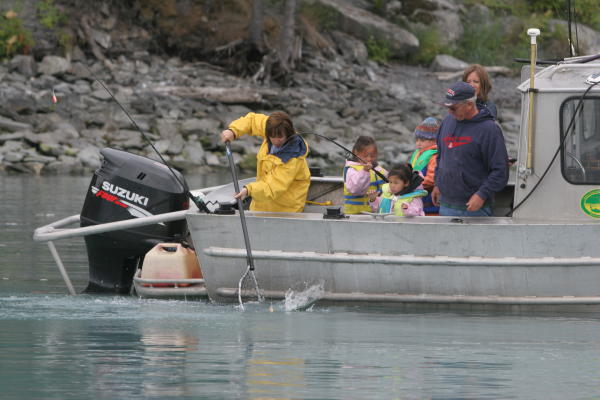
[{"x": 128, "y": 186}]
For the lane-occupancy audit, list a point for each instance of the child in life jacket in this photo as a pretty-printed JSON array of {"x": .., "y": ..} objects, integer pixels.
[
  {"x": 424, "y": 158},
  {"x": 403, "y": 195},
  {"x": 360, "y": 177}
]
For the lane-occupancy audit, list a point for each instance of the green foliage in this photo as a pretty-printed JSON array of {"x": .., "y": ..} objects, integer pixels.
[
  {"x": 378, "y": 5},
  {"x": 56, "y": 20},
  {"x": 484, "y": 44},
  {"x": 499, "y": 42},
  {"x": 502, "y": 7},
  {"x": 14, "y": 38},
  {"x": 430, "y": 45},
  {"x": 322, "y": 16},
  {"x": 379, "y": 50},
  {"x": 50, "y": 15},
  {"x": 583, "y": 11}
]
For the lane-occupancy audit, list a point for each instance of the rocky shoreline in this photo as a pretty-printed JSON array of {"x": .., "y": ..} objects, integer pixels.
[{"x": 182, "y": 106}]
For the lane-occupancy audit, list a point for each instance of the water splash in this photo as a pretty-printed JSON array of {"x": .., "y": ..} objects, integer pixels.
[{"x": 303, "y": 300}]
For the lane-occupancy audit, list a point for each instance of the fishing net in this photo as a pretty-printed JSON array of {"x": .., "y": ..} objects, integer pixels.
[{"x": 248, "y": 289}]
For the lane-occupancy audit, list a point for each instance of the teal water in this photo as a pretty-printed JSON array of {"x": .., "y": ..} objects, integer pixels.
[{"x": 56, "y": 346}]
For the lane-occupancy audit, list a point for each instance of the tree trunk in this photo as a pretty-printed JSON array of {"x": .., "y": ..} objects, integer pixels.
[
  {"x": 286, "y": 42},
  {"x": 256, "y": 25}
]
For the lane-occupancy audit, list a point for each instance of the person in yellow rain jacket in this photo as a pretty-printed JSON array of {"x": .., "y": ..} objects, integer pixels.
[{"x": 282, "y": 174}]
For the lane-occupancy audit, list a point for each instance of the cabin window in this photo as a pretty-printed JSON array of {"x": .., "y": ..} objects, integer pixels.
[{"x": 580, "y": 157}]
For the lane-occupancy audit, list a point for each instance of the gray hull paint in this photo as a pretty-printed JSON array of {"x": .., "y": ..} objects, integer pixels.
[{"x": 479, "y": 263}]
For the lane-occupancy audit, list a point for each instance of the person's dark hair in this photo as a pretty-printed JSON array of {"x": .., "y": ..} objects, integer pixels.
[
  {"x": 402, "y": 171},
  {"x": 362, "y": 142},
  {"x": 279, "y": 124},
  {"x": 485, "y": 83}
]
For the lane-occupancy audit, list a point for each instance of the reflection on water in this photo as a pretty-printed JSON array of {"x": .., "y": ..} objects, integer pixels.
[
  {"x": 121, "y": 347},
  {"x": 55, "y": 346}
]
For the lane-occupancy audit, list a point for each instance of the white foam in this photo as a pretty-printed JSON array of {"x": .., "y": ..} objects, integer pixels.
[{"x": 303, "y": 300}]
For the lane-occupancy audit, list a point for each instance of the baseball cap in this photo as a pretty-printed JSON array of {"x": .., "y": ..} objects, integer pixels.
[{"x": 457, "y": 93}]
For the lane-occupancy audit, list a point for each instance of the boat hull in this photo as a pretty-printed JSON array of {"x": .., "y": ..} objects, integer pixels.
[{"x": 422, "y": 261}]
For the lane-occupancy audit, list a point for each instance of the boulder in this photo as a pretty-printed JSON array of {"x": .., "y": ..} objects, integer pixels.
[
  {"x": 587, "y": 38},
  {"x": 166, "y": 127},
  {"x": 200, "y": 126},
  {"x": 24, "y": 65},
  {"x": 176, "y": 145},
  {"x": 366, "y": 26},
  {"x": 352, "y": 49},
  {"x": 54, "y": 65},
  {"x": 445, "y": 62},
  {"x": 89, "y": 157},
  {"x": 194, "y": 153},
  {"x": 13, "y": 126}
]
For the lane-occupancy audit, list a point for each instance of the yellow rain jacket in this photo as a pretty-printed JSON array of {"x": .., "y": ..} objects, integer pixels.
[{"x": 283, "y": 178}]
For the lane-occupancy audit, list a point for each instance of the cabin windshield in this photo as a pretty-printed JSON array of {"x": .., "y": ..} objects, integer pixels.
[{"x": 580, "y": 156}]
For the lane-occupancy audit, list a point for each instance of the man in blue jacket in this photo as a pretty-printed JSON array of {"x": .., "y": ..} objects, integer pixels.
[{"x": 472, "y": 161}]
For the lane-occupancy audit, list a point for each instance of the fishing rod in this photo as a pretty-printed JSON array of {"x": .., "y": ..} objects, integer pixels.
[
  {"x": 195, "y": 199},
  {"x": 379, "y": 174}
]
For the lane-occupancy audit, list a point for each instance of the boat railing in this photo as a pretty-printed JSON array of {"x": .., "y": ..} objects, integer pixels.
[{"x": 57, "y": 230}]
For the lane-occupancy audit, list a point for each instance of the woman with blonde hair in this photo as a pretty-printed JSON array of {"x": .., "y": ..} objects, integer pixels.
[{"x": 476, "y": 76}]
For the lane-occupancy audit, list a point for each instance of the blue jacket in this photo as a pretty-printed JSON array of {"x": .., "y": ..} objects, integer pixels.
[
  {"x": 490, "y": 106},
  {"x": 471, "y": 158}
]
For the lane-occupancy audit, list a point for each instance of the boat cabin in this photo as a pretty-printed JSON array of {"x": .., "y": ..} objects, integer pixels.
[{"x": 566, "y": 125}]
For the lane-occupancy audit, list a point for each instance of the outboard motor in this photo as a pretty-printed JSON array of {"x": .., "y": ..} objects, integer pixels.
[{"x": 128, "y": 186}]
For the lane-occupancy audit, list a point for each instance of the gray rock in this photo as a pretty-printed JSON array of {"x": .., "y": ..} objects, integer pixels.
[
  {"x": 67, "y": 131},
  {"x": 588, "y": 38},
  {"x": 51, "y": 149},
  {"x": 82, "y": 87},
  {"x": 195, "y": 125},
  {"x": 79, "y": 70},
  {"x": 398, "y": 91},
  {"x": 54, "y": 65},
  {"x": 176, "y": 145},
  {"x": 102, "y": 38},
  {"x": 166, "y": 127},
  {"x": 32, "y": 156},
  {"x": 141, "y": 67},
  {"x": 64, "y": 164},
  {"x": 14, "y": 156},
  {"x": 352, "y": 49},
  {"x": 128, "y": 139},
  {"x": 194, "y": 153},
  {"x": 24, "y": 65},
  {"x": 162, "y": 145},
  {"x": 449, "y": 25},
  {"x": 13, "y": 136},
  {"x": 101, "y": 94},
  {"x": 367, "y": 26},
  {"x": 444, "y": 62},
  {"x": 212, "y": 160},
  {"x": 13, "y": 126},
  {"x": 89, "y": 157},
  {"x": 10, "y": 146}
]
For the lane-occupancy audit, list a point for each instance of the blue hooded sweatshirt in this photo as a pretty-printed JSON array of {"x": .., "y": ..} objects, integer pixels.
[{"x": 471, "y": 158}]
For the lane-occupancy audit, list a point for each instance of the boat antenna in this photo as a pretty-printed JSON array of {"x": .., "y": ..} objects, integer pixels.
[
  {"x": 249, "y": 273},
  {"x": 197, "y": 200},
  {"x": 568, "y": 131},
  {"x": 571, "y": 49},
  {"x": 379, "y": 174}
]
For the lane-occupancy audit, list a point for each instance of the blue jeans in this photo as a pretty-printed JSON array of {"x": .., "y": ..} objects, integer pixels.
[{"x": 485, "y": 211}]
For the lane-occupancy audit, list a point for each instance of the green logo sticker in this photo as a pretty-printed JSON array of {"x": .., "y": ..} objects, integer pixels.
[{"x": 590, "y": 203}]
